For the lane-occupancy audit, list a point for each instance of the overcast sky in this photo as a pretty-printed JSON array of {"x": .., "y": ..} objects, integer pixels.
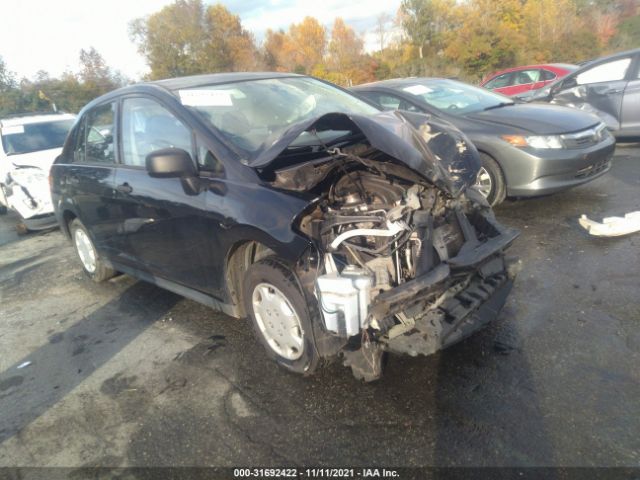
[{"x": 48, "y": 34}]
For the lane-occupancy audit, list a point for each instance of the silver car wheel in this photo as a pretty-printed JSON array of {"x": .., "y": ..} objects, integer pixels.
[
  {"x": 278, "y": 321},
  {"x": 85, "y": 250},
  {"x": 484, "y": 182}
]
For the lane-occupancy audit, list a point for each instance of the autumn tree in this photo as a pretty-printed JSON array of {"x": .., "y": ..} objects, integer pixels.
[
  {"x": 274, "y": 54},
  {"x": 490, "y": 36},
  {"x": 305, "y": 45},
  {"x": 427, "y": 23},
  {"x": 381, "y": 30},
  {"x": 554, "y": 31},
  {"x": 185, "y": 38},
  {"x": 10, "y": 96},
  {"x": 228, "y": 46},
  {"x": 345, "y": 47}
]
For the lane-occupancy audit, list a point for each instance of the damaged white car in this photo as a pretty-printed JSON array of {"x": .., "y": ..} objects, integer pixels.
[{"x": 29, "y": 144}]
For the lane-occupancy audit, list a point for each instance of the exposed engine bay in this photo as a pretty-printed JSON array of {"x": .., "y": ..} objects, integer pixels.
[{"x": 400, "y": 265}]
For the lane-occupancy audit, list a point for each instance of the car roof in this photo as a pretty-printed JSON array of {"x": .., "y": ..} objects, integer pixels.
[
  {"x": 171, "y": 85},
  {"x": 27, "y": 118},
  {"x": 594, "y": 61},
  {"x": 398, "y": 82},
  {"x": 217, "y": 79}
]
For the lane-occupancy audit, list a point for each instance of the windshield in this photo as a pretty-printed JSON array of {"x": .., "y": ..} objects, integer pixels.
[
  {"x": 253, "y": 114},
  {"x": 33, "y": 137},
  {"x": 454, "y": 97}
]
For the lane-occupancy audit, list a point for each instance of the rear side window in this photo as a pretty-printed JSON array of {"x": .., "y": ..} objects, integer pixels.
[
  {"x": 98, "y": 135},
  {"x": 605, "y": 72},
  {"x": 148, "y": 126},
  {"x": 547, "y": 75},
  {"x": 525, "y": 77}
]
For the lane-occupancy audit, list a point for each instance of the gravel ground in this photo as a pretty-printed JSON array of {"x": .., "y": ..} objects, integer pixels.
[{"x": 127, "y": 374}]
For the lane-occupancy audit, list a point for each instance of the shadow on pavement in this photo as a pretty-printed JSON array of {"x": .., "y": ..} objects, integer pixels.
[
  {"x": 473, "y": 404},
  {"x": 70, "y": 357}
]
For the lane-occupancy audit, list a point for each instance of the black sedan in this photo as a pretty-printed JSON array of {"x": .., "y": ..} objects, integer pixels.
[
  {"x": 337, "y": 228},
  {"x": 609, "y": 87},
  {"x": 526, "y": 149}
]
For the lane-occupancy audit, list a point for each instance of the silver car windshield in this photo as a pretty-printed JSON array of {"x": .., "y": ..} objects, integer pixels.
[
  {"x": 455, "y": 98},
  {"x": 253, "y": 114},
  {"x": 33, "y": 137}
]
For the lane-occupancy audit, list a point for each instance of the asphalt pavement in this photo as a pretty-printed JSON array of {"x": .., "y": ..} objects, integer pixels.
[{"x": 126, "y": 374}]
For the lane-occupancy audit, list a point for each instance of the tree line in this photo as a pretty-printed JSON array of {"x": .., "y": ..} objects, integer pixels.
[{"x": 466, "y": 39}]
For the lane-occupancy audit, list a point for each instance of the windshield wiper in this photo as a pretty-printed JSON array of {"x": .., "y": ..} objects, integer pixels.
[{"x": 500, "y": 105}]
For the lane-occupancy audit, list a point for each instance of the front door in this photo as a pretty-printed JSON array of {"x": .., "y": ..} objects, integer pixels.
[{"x": 162, "y": 224}]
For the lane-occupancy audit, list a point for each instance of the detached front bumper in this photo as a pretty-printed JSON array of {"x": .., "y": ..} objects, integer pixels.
[
  {"x": 456, "y": 319},
  {"x": 452, "y": 301}
]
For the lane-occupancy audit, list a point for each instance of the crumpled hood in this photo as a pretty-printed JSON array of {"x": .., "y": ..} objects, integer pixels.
[
  {"x": 538, "y": 119},
  {"x": 433, "y": 148},
  {"x": 42, "y": 159}
]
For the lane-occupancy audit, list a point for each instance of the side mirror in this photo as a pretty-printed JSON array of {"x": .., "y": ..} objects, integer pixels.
[{"x": 170, "y": 163}]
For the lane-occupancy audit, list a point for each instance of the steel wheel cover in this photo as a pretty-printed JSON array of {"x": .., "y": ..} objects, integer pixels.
[
  {"x": 484, "y": 182},
  {"x": 85, "y": 250},
  {"x": 278, "y": 321}
]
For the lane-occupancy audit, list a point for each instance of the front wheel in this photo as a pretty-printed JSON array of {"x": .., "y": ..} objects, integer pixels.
[
  {"x": 490, "y": 180},
  {"x": 280, "y": 315},
  {"x": 92, "y": 264}
]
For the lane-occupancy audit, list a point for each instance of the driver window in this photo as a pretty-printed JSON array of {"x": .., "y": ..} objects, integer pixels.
[
  {"x": 606, "y": 72},
  {"x": 148, "y": 126}
]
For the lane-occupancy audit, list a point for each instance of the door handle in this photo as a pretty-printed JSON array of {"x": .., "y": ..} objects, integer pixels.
[{"x": 124, "y": 188}]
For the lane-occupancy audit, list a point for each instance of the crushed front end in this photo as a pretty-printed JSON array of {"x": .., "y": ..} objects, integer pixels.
[{"x": 405, "y": 257}]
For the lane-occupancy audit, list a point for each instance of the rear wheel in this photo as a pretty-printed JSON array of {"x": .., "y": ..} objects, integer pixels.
[
  {"x": 490, "y": 180},
  {"x": 280, "y": 316},
  {"x": 92, "y": 264}
]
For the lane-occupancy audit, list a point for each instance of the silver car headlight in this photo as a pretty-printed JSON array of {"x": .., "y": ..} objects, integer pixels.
[
  {"x": 602, "y": 132},
  {"x": 534, "y": 141}
]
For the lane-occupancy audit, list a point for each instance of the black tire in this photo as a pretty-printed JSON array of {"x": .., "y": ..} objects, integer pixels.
[
  {"x": 101, "y": 272},
  {"x": 498, "y": 186},
  {"x": 273, "y": 271}
]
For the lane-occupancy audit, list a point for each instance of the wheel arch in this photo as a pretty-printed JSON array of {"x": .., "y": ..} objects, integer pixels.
[
  {"x": 67, "y": 217},
  {"x": 240, "y": 257}
]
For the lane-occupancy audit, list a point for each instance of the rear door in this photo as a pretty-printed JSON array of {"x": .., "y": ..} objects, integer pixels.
[
  {"x": 162, "y": 227},
  {"x": 523, "y": 81},
  {"x": 630, "y": 122},
  {"x": 598, "y": 89},
  {"x": 89, "y": 179}
]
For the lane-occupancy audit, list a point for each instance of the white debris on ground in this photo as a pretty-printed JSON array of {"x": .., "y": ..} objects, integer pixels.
[{"x": 612, "y": 226}]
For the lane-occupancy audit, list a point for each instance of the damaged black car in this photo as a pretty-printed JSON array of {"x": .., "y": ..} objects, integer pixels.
[{"x": 341, "y": 231}]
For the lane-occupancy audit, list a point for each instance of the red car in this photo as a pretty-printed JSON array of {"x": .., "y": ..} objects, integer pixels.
[{"x": 521, "y": 80}]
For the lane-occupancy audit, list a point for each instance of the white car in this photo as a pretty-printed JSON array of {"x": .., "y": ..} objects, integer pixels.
[{"x": 28, "y": 146}]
